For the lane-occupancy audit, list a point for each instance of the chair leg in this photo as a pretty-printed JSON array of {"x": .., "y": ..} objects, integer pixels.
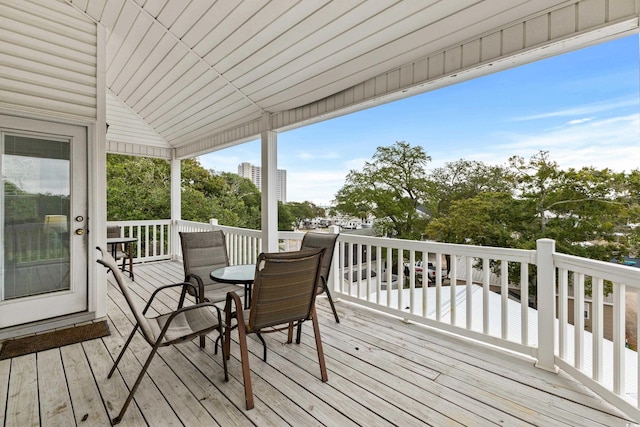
[
  {"x": 199, "y": 300},
  {"x": 117, "y": 419},
  {"x": 264, "y": 346},
  {"x": 226, "y": 342},
  {"x": 246, "y": 371},
  {"x": 316, "y": 332},
  {"x": 126, "y": 344},
  {"x": 333, "y": 307},
  {"x": 290, "y": 334},
  {"x": 224, "y": 359},
  {"x": 299, "y": 333}
]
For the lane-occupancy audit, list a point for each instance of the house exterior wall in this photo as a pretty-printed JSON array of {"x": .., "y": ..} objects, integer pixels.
[
  {"x": 48, "y": 54},
  {"x": 607, "y": 318},
  {"x": 52, "y": 68}
]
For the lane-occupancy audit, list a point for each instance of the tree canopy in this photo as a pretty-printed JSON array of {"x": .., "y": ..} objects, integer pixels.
[
  {"x": 588, "y": 211},
  {"x": 394, "y": 188},
  {"x": 140, "y": 188}
]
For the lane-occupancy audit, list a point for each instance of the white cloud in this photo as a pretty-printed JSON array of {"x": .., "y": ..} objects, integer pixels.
[
  {"x": 610, "y": 143},
  {"x": 579, "y": 121},
  {"x": 584, "y": 109}
]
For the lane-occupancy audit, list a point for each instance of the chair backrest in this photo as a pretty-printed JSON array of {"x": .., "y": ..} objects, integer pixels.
[
  {"x": 108, "y": 261},
  {"x": 113, "y": 231},
  {"x": 327, "y": 241},
  {"x": 202, "y": 252},
  {"x": 284, "y": 288}
]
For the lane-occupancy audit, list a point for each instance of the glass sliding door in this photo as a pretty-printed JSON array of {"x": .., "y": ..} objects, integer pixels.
[
  {"x": 43, "y": 215},
  {"x": 36, "y": 215}
]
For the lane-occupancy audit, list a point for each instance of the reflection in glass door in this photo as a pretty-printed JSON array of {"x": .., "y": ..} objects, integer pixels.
[
  {"x": 36, "y": 215},
  {"x": 43, "y": 211}
]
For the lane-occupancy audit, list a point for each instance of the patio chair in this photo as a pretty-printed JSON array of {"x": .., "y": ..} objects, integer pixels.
[
  {"x": 203, "y": 252},
  {"x": 284, "y": 292},
  {"x": 119, "y": 252},
  {"x": 181, "y": 325},
  {"x": 328, "y": 241}
]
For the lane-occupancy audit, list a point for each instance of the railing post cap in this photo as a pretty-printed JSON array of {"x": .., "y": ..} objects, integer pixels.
[{"x": 546, "y": 241}]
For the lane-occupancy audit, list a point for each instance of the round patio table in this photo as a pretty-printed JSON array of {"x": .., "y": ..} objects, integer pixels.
[{"x": 239, "y": 275}]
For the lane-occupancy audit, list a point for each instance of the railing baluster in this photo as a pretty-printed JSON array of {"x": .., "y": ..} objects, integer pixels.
[
  {"x": 400, "y": 275},
  {"x": 504, "y": 298},
  {"x": 388, "y": 274},
  {"x": 524, "y": 303},
  {"x": 597, "y": 326},
  {"x": 563, "y": 283},
  {"x": 378, "y": 273},
  {"x": 486, "y": 311},
  {"x": 469, "y": 293},
  {"x": 368, "y": 261},
  {"x": 425, "y": 279},
  {"x": 453, "y": 290},
  {"x": 619, "y": 368},
  {"x": 578, "y": 322},
  {"x": 412, "y": 278}
]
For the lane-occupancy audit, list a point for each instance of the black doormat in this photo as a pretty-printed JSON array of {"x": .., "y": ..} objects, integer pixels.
[{"x": 49, "y": 340}]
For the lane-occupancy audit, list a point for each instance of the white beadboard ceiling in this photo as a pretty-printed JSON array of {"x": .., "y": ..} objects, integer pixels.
[{"x": 196, "y": 75}]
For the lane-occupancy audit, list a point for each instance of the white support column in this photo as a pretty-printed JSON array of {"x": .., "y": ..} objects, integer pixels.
[
  {"x": 269, "y": 191},
  {"x": 176, "y": 206},
  {"x": 97, "y": 183},
  {"x": 546, "y": 304},
  {"x": 334, "y": 277}
]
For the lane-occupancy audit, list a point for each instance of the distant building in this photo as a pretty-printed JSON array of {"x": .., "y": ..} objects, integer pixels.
[{"x": 254, "y": 173}]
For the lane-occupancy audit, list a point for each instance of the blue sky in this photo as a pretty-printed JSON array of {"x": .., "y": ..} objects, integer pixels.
[{"x": 582, "y": 107}]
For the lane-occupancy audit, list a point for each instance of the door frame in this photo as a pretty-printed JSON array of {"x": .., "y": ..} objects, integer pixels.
[{"x": 83, "y": 287}]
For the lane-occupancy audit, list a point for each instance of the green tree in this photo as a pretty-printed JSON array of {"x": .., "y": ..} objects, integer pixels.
[
  {"x": 464, "y": 179},
  {"x": 487, "y": 219},
  {"x": 140, "y": 188},
  {"x": 394, "y": 187},
  {"x": 304, "y": 210},
  {"x": 137, "y": 188},
  {"x": 286, "y": 219}
]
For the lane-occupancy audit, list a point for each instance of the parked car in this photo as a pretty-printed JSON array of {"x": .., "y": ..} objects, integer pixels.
[{"x": 431, "y": 270}]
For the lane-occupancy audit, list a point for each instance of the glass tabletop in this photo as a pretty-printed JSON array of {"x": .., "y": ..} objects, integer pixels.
[{"x": 238, "y": 274}]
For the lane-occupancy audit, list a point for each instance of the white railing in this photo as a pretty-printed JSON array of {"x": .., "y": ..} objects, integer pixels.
[
  {"x": 608, "y": 367},
  {"x": 373, "y": 272},
  {"x": 153, "y": 238},
  {"x": 474, "y": 293}
]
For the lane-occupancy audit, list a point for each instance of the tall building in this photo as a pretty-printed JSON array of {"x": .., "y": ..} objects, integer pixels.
[{"x": 254, "y": 173}]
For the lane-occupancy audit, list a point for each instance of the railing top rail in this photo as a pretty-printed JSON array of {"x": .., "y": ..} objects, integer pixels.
[
  {"x": 241, "y": 231},
  {"x": 617, "y": 273},
  {"x": 141, "y": 222},
  {"x": 515, "y": 255}
]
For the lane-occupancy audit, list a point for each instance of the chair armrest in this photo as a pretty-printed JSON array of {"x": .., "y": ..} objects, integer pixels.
[
  {"x": 162, "y": 288},
  {"x": 233, "y": 297},
  {"x": 189, "y": 308},
  {"x": 199, "y": 292}
]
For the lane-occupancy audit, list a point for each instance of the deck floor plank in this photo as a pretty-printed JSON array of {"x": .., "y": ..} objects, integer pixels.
[
  {"x": 88, "y": 406},
  {"x": 5, "y": 369},
  {"x": 55, "y": 403},
  {"x": 382, "y": 371},
  {"x": 512, "y": 378},
  {"x": 113, "y": 390},
  {"x": 22, "y": 402}
]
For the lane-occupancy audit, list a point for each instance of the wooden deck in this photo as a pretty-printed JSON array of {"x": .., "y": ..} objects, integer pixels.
[{"x": 381, "y": 372}]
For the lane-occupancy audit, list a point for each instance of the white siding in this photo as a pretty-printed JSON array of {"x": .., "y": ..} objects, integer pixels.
[
  {"x": 577, "y": 25},
  {"x": 132, "y": 135},
  {"x": 47, "y": 60}
]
